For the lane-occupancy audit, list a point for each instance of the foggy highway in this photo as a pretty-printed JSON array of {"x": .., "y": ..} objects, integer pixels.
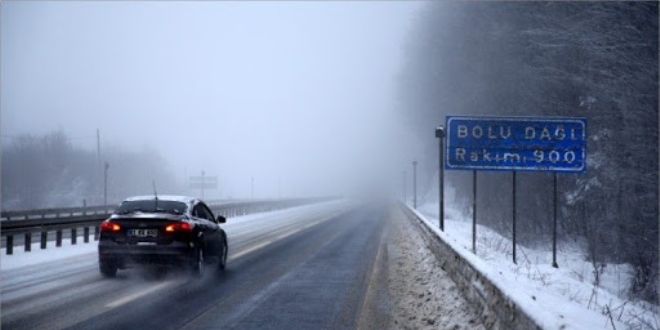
[
  {"x": 307, "y": 268},
  {"x": 520, "y": 139},
  {"x": 333, "y": 265}
]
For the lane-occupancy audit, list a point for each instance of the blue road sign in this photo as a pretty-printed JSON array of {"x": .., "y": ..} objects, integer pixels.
[{"x": 516, "y": 143}]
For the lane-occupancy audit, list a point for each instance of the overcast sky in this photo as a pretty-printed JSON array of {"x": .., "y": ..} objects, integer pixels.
[{"x": 300, "y": 91}]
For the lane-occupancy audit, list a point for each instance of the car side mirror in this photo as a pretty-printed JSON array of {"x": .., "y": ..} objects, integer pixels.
[{"x": 221, "y": 219}]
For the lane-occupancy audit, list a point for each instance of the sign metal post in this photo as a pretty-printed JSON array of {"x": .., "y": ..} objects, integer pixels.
[
  {"x": 554, "y": 225},
  {"x": 514, "y": 217},
  {"x": 440, "y": 134},
  {"x": 474, "y": 212}
]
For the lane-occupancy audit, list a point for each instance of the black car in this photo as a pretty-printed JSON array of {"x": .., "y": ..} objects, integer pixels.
[{"x": 162, "y": 231}]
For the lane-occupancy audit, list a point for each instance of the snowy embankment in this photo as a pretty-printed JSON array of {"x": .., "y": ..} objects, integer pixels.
[
  {"x": 423, "y": 295},
  {"x": 555, "y": 298}
]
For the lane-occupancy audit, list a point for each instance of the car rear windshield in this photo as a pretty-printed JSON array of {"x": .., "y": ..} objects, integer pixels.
[{"x": 152, "y": 206}]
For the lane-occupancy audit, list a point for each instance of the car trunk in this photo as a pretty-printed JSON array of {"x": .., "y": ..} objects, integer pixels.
[{"x": 146, "y": 231}]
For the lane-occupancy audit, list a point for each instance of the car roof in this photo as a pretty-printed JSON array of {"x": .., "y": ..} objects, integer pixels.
[{"x": 173, "y": 198}]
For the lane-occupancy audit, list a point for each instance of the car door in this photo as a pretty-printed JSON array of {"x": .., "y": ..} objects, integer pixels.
[
  {"x": 202, "y": 224},
  {"x": 211, "y": 229},
  {"x": 215, "y": 232}
]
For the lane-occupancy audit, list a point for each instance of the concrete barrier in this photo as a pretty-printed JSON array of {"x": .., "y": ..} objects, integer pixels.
[{"x": 498, "y": 311}]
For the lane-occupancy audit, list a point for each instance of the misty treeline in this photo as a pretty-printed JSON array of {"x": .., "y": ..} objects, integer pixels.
[
  {"x": 597, "y": 60},
  {"x": 49, "y": 171}
]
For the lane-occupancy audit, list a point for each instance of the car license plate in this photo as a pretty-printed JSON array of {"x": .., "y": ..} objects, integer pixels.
[{"x": 143, "y": 232}]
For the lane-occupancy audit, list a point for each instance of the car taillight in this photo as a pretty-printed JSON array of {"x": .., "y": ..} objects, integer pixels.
[
  {"x": 179, "y": 226},
  {"x": 110, "y": 226}
]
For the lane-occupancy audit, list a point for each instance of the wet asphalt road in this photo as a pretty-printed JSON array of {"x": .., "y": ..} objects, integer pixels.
[{"x": 315, "y": 268}]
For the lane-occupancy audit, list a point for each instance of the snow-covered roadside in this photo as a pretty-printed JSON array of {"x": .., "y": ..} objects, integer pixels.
[
  {"x": 423, "y": 295},
  {"x": 20, "y": 258},
  {"x": 563, "y": 298}
]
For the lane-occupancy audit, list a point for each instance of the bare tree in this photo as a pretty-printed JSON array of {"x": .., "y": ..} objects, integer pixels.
[{"x": 593, "y": 59}]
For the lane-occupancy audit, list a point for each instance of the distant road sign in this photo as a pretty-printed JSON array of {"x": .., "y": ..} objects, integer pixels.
[
  {"x": 516, "y": 143},
  {"x": 209, "y": 182}
]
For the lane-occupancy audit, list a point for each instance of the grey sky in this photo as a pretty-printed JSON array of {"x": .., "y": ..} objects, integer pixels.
[{"x": 304, "y": 91}]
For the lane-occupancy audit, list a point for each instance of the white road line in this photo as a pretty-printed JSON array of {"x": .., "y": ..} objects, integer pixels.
[
  {"x": 254, "y": 248},
  {"x": 138, "y": 294},
  {"x": 280, "y": 237},
  {"x": 285, "y": 235}
]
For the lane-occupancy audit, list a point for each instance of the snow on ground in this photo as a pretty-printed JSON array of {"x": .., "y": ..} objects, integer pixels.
[
  {"x": 20, "y": 258},
  {"x": 423, "y": 295},
  {"x": 557, "y": 298}
]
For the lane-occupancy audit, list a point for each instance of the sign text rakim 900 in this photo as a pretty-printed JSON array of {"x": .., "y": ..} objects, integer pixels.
[{"x": 516, "y": 143}]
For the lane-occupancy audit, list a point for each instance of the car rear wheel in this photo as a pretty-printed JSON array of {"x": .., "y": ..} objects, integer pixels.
[
  {"x": 198, "y": 263},
  {"x": 222, "y": 264},
  {"x": 108, "y": 270}
]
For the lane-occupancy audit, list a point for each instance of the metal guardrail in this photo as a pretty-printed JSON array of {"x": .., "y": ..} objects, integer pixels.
[
  {"x": 55, "y": 212},
  {"x": 59, "y": 219},
  {"x": 88, "y": 210}
]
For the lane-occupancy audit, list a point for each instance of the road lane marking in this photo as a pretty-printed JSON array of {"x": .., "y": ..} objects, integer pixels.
[
  {"x": 254, "y": 248},
  {"x": 138, "y": 294},
  {"x": 280, "y": 237}
]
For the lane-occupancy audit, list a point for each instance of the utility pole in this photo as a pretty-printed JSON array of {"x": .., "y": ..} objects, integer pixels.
[
  {"x": 415, "y": 184},
  {"x": 202, "y": 184},
  {"x": 105, "y": 184},
  {"x": 98, "y": 147},
  {"x": 98, "y": 162},
  {"x": 404, "y": 187}
]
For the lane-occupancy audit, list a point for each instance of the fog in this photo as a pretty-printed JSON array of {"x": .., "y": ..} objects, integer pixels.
[{"x": 300, "y": 96}]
